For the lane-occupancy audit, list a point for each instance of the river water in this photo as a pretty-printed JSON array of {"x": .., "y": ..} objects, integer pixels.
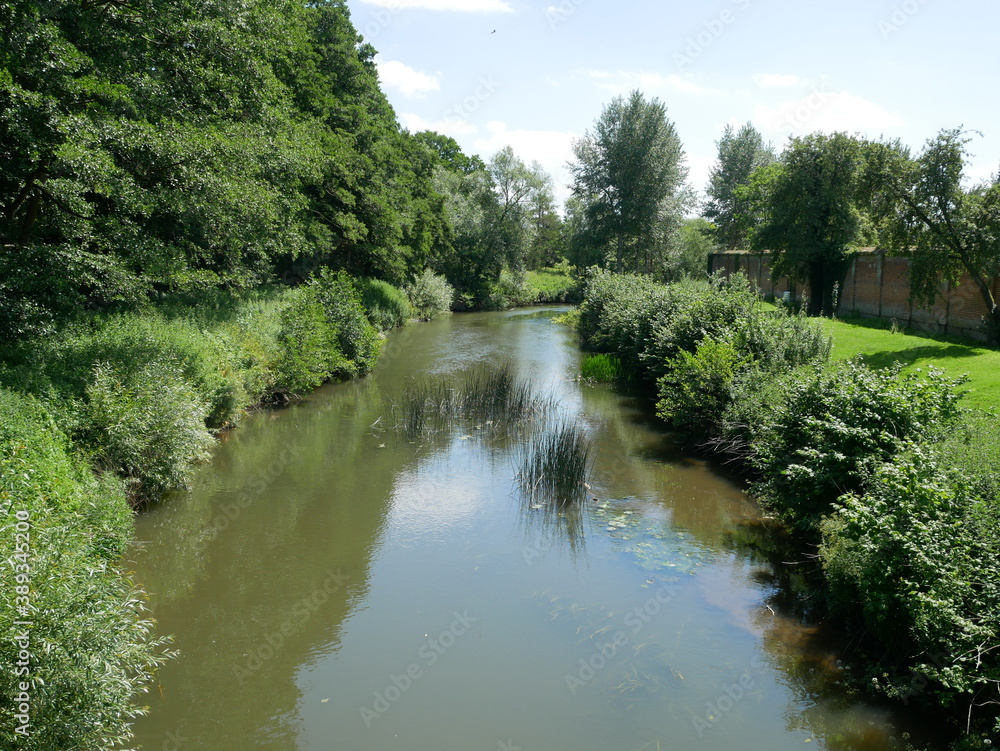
[{"x": 332, "y": 585}]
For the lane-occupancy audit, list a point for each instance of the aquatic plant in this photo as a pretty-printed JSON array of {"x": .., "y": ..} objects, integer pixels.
[
  {"x": 555, "y": 467},
  {"x": 494, "y": 397},
  {"x": 601, "y": 368}
]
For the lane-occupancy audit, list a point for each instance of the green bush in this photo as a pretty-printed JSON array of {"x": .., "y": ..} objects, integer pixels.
[
  {"x": 90, "y": 645},
  {"x": 510, "y": 290},
  {"x": 919, "y": 549},
  {"x": 430, "y": 295},
  {"x": 129, "y": 343},
  {"x": 553, "y": 286},
  {"x": 700, "y": 309},
  {"x": 619, "y": 312},
  {"x": 838, "y": 424},
  {"x": 360, "y": 343},
  {"x": 697, "y": 386},
  {"x": 308, "y": 344},
  {"x": 148, "y": 426},
  {"x": 387, "y": 307}
]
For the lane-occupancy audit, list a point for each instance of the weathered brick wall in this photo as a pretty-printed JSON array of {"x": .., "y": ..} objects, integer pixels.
[{"x": 876, "y": 286}]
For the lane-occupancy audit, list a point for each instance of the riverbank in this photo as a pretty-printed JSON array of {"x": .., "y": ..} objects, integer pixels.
[
  {"x": 893, "y": 481},
  {"x": 109, "y": 414}
]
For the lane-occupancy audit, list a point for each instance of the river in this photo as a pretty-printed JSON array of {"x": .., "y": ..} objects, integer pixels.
[{"x": 332, "y": 585}]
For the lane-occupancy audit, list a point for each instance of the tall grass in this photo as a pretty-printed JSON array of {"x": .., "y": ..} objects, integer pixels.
[
  {"x": 490, "y": 396},
  {"x": 555, "y": 467},
  {"x": 602, "y": 368}
]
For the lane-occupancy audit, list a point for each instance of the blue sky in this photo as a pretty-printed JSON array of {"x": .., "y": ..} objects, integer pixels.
[{"x": 535, "y": 75}]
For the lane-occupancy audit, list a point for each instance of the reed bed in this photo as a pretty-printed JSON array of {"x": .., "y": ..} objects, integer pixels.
[{"x": 493, "y": 399}]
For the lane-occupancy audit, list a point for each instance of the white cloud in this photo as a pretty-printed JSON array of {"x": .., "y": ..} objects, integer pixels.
[
  {"x": 455, "y": 128},
  {"x": 465, "y": 6},
  {"x": 404, "y": 79},
  {"x": 552, "y": 149},
  {"x": 825, "y": 111},
  {"x": 620, "y": 81},
  {"x": 776, "y": 80}
]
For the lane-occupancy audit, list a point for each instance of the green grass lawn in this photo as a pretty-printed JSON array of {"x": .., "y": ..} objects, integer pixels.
[{"x": 881, "y": 347}]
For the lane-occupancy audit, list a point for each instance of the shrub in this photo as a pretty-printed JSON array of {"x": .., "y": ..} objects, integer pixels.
[
  {"x": 696, "y": 388},
  {"x": 619, "y": 312},
  {"x": 129, "y": 343},
  {"x": 308, "y": 345},
  {"x": 510, "y": 290},
  {"x": 90, "y": 644},
  {"x": 148, "y": 426},
  {"x": 430, "y": 295},
  {"x": 839, "y": 424},
  {"x": 387, "y": 307},
  {"x": 699, "y": 309},
  {"x": 553, "y": 286},
  {"x": 358, "y": 340},
  {"x": 920, "y": 550}
]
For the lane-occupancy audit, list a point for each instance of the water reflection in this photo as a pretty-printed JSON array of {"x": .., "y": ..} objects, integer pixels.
[{"x": 320, "y": 565}]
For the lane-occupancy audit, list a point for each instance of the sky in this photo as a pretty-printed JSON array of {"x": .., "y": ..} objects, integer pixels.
[{"x": 536, "y": 75}]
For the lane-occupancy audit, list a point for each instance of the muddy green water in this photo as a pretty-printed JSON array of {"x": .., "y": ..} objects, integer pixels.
[{"x": 332, "y": 585}]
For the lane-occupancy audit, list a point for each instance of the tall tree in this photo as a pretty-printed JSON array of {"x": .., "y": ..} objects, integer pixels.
[
  {"x": 813, "y": 218},
  {"x": 924, "y": 211},
  {"x": 547, "y": 235},
  {"x": 741, "y": 153},
  {"x": 630, "y": 171}
]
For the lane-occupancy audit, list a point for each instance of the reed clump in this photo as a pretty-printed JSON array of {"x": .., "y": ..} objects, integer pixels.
[
  {"x": 494, "y": 398},
  {"x": 555, "y": 467}
]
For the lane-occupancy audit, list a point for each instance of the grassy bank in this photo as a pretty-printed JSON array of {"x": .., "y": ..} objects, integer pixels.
[
  {"x": 553, "y": 285},
  {"x": 883, "y": 471},
  {"x": 880, "y": 347},
  {"x": 110, "y": 413}
]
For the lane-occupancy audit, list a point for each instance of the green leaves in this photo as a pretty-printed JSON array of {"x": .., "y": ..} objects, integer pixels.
[
  {"x": 925, "y": 210},
  {"x": 812, "y": 215},
  {"x": 741, "y": 154},
  {"x": 630, "y": 173}
]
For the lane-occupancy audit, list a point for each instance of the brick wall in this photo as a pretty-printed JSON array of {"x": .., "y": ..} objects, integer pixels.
[{"x": 876, "y": 286}]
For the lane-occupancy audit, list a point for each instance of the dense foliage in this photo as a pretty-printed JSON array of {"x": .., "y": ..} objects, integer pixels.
[
  {"x": 630, "y": 176},
  {"x": 89, "y": 646},
  {"x": 924, "y": 208},
  {"x": 741, "y": 153}
]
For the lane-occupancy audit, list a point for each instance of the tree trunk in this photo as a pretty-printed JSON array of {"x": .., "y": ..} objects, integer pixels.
[
  {"x": 620, "y": 254},
  {"x": 993, "y": 310}
]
